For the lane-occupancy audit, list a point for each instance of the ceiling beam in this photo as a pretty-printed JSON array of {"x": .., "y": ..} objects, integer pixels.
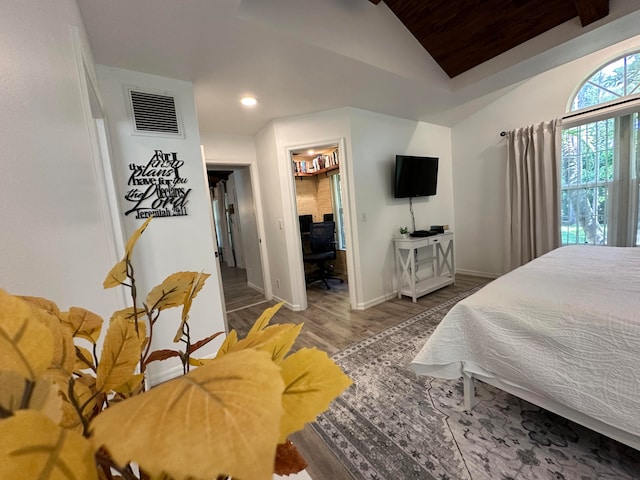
[{"x": 591, "y": 10}]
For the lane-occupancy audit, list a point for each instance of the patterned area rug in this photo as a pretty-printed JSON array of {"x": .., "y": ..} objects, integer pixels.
[{"x": 394, "y": 425}]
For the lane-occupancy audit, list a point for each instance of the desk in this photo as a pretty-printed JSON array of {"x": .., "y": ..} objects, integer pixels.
[{"x": 424, "y": 264}]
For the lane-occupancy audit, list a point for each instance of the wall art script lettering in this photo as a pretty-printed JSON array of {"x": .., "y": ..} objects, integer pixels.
[{"x": 156, "y": 188}]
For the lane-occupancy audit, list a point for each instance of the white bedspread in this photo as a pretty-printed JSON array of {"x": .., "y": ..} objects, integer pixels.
[{"x": 565, "y": 326}]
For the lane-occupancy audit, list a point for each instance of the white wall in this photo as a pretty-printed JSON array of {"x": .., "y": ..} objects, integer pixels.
[
  {"x": 170, "y": 244},
  {"x": 479, "y": 154},
  {"x": 246, "y": 215},
  {"x": 371, "y": 142},
  {"x": 277, "y": 253},
  {"x": 54, "y": 238},
  {"x": 375, "y": 140},
  {"x": 277, "y": 180}
]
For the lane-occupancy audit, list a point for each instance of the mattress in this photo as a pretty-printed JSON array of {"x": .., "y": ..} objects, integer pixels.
[{"x": 565, "y": 326}]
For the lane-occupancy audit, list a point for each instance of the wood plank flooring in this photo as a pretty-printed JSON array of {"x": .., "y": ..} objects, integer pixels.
[
  {"x": 331, "y": 325},
  {"x": 237, "y": 294}
]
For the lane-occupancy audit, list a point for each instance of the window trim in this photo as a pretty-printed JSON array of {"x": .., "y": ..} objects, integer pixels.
[{"x": 602, "y": 111}]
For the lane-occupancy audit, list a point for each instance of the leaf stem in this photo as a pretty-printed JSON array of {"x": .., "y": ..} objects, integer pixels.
[
  {"x": 74, "y": 402},
  {"x": 4, "y": 413},
  {"x": 134, "y": 293},
  {"x": 145, "y": 354},
  {"x": 29, "y": 385},
  {"x": 186, "y": 333}
]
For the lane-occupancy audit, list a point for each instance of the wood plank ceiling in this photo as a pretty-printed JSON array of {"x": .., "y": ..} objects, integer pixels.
[{"x": 461, "y": 34}]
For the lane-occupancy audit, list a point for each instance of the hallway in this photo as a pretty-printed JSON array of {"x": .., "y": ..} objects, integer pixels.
[{"x": 237, "y": 294}]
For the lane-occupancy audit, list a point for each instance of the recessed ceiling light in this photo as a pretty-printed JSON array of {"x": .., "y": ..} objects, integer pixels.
[
  {"x": 309, "y": 152},
  {"x": 248, "y": 101}
]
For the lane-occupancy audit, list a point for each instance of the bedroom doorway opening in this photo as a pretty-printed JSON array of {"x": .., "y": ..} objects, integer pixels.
[
  {"x": 237, "y": 238},
  {"x": 319, "y": 206}
]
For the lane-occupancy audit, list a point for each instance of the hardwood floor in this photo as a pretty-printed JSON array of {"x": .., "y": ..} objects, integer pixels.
[
  {"x": 331, "y": 325},
  {"x": 237, "y": 294}
]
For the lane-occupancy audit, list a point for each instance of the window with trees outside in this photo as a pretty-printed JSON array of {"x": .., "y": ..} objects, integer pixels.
[
  {"x": 600, "y": 165},
  {"x": 336, "y": 197}
]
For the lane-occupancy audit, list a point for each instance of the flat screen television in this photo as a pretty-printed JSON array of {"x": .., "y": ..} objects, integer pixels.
[{"x": 415, "y": 176}]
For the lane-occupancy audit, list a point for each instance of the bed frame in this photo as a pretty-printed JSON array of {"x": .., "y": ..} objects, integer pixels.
[{"x": 471, "y": 401}]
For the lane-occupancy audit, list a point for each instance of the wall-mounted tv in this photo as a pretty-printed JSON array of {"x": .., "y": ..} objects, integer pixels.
[{"x": 415, "y": 176}]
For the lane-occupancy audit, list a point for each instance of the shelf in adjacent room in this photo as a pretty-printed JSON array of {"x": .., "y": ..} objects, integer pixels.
[
  {"x": 316, "y": 162},
  {"x": 317, "y": 172}
]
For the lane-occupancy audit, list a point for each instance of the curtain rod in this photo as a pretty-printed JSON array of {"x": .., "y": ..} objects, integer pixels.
[{"x": 590, "y": 110}]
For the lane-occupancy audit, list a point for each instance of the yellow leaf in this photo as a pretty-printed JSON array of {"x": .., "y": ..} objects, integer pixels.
[
  {"x": 83, "y": 393},
  {"x": 83, "y": 323},
  {"x": 129, "y": 314},
  {"x": 277, "y": 340},
  {"x": 196, "y": 286},
  {"x": 33, "y": 447},
  {"x": 70, "y": 418},
  {"x": 44, "y": 396},
  {"x": 87, "y": 380},
  {"x": 229, "y": 342},
  {"x": 222, "y": 418},
  {"x": 312, "y": 380},
  {"x": 117, "y": 275},
  {"x": 42, "y": 303},
  {"x": 64, "y": 354},
  {"x": 120, "y": 355},
  {"x": 26, "y": 345},
  {"x": 134, "y": 238},
  {"x": 173, "y": 291},
  {"x": 139, "y": 317},
  {"x": 198, "y": 362},
  {"x": 132, "y": 386},
  {"x": 84, "y": 359},
  {"x": 264, "y": 319}
]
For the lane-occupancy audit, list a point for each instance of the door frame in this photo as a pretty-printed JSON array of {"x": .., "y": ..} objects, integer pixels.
[
  {"x": 99, "y": 140},
  {"x": 259, "y": 214},
  {"x": 298, "y": 284}
]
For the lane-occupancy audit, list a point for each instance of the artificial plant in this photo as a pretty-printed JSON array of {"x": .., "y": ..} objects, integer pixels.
[{"x": 69, "y": 409}]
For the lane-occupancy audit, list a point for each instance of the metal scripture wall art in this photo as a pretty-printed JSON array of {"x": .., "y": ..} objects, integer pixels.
[{"x": 156, "y": 187}]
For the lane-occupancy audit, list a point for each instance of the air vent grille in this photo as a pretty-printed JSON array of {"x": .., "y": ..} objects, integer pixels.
[{"x": 154, "y": 113}]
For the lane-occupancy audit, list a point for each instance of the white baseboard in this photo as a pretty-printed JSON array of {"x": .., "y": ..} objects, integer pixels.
[
  {"x": 289, "y": 305},
  {"x": 376, "y": 301},
  {"x": 163, "y": 375},
  {"x": 255, "y": 287},
  {"x": 475, "y": 273}
]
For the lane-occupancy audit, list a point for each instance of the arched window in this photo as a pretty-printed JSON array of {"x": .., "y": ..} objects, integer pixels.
[
  {"x": 620, "y": 78},
  {"x": 600, "y": 158}
]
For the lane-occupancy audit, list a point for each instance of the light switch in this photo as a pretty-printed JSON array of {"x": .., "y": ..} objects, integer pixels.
[{"x": 280, "y": 224}]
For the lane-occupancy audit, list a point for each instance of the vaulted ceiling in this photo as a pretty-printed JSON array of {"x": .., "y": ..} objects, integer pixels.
[
  {"x": 461, "y": 34},
  {"x": 436, "y": 61}
]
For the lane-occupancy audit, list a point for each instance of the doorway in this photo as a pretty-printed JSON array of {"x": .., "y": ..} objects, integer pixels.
[
  {"x": 319, "y": 204},
  {"x": 237, "y": 238}
]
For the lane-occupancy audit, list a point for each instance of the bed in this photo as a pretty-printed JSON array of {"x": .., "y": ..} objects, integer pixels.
[{"x": 562, "y": 332}]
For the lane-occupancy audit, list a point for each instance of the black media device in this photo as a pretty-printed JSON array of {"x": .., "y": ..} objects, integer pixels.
[{"x": 415, "y": 176}]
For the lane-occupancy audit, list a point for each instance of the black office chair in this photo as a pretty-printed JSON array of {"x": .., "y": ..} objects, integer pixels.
[
  {"x": 305, "y": 223},
  {"x": 323, "y": 249}
]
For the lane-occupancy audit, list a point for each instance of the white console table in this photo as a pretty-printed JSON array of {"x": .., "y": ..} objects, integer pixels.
[{"x": 424, "y": 264}]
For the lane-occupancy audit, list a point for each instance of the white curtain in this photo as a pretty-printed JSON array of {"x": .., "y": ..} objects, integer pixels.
[{"x": 533, "y": 203}]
